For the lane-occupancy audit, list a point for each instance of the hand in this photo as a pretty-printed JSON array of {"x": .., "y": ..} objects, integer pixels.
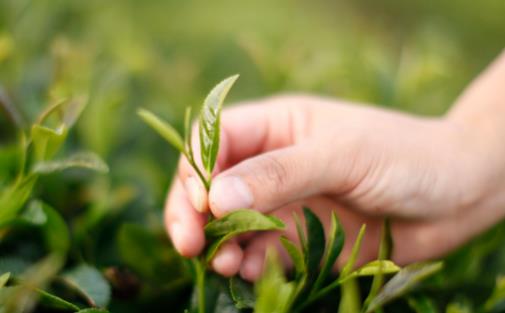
[{"x": 436, "y": 178}]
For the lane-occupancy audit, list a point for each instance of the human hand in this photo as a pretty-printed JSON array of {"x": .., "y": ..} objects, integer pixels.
[{"x": 432, "y": 176}]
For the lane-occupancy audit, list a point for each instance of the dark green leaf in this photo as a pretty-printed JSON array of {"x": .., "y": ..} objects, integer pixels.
[
  {"x": 14, "y": 197},
  {"x": 210, "y": 117},
  {"x": 55, "y": 230},
  {"x": 90, "y": 284},
  {"x": 403, "y": 282},
  {"x": 236, "y": 223},
  {"x": 333, "y": 248},
  {"x": 47, "y": 141},
  {"x": 301, "y": 233},
  {"x": 93, "y": 310},
  {"x": 296, "y": 256},
  {"x": 315, "y": 244},
  {"x": 422, "y": 304},
  {"x": 86, "y": 160},
  {"x": 163, "y": 128},
  {"x": 242, "y": 293},
  {"x": 48, "y": 300}
]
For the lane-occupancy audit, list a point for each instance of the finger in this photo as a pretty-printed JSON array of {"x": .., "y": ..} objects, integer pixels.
[
  {"x": 272, "y": 179},
  {"x": 184, "y": 224},
  {"x": 228, "y": 259}
]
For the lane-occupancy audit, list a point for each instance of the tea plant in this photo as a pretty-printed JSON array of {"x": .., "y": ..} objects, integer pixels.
[{"x": 313, "y": 261}]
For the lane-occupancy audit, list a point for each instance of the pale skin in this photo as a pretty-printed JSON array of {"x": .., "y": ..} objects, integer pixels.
[{"x": 440, "y": 180}]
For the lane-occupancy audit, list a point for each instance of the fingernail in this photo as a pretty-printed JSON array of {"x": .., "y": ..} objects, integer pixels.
[
  {"x": 230, "y": 193},
  {"x": 197, "y": 195}
]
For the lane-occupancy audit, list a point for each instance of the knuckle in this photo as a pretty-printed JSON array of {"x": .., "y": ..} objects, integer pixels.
[{"x": 276, "y": 171}]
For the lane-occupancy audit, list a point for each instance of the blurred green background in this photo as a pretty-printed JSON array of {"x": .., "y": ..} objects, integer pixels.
[{"x": 414, "y": 56}]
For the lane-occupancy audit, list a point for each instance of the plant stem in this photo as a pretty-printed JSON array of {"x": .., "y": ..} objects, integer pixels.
[
  {"x": 191, "y": 160},
  {"x": 200, "y": 282}
]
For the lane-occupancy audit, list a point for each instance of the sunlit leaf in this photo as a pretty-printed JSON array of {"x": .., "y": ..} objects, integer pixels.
[
  {"x": 242, "y": 293},
  {"x": 296, "y": 256},
  {"x": 85, "y": 160},
  {"x": 14, "y": 197},
  {"x": 4, "y": 278},
  {"x": 89, "y": 283},
  {"x": 163, "y": 128},
  {"x": 497, "y": 298},
  {"x": 47, "y": 141},
  {"x": 373, "y": 268},
  {"x": 210, "y": 117},
  {"x": 274, "y": 293},
  {"x": 404, "y": 281},
  {"x": 235, "y": 223}
]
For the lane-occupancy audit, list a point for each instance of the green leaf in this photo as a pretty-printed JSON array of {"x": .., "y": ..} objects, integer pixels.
[
  {"x": 210, "y": 118},
  {"x": 405, "y": 280},
  {"x": 242, "y": 293},
  {"x": 73, "y": 110},
  {"x": 14, "y": 197},
  {"x": 85, "y": 160},
  {"x": 90, "y": 284},
  {"x": 93, "y": 310},
  {"x": 47, "y": 141},
  {"x": 188, "y": 132},
  {"x": 4, "y": 278},
  {"x": 373, "y": 268},
  {"x": 55, "y": 230},
  {"x": 459, "y": 307},
  {"x": 301, "y": 233},
  {"x": 48, "y": 300},
  {"x": 274, "y": 293},
  {"x": 296, "y": 256},
  {"x": 315, "y": 243},
  {"x": 497, "y": 298},
  {"x": 163, "y": 128},
  {"x": 350, "y": 292},
  {"x": 422, "y": 304},
  {"x": 333, "y": 249},
  {"x": 148, "y": 256},
  {"x": 235, "y": 223}
]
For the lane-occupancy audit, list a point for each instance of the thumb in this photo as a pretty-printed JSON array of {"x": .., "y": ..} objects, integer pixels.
[{"x": 270, "y": 180}]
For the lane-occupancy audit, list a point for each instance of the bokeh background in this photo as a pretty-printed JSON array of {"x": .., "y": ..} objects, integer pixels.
[{"x": 414, "y": 56}]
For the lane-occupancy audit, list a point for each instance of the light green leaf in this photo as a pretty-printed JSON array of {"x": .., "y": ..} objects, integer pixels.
[
  {"x": 188, "y": 132},
  {"x": 236, "y": 223},
  {"x": 47, "y": 141},
  {"x": 497, "y": 298},
  {"x": 373, "y": 268},
  {"x": 404, "y": 281},
  {"x": 86, "y": 160},
  {"x": 73, "y": 110},
  {"x": 242, "y": 293},
  {"x": 349, "y": 265},
  {"x": 163, "y": 128},
  {"x": 90, "y": 284},
  {"x": 4, "y": 278},
  {"x": 14, "y": 197},
  {"x": 210, "y": 118},
  {"x": 296, "y": 256},
  {"x": 459, "y": 307},
  {"x": 422, "y": 304},
  {"x": 274, "y": 293}
]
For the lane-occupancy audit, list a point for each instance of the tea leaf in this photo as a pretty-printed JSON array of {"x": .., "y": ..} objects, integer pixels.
[
  {"x": 73, "y": 110},
  {"x": 4, "y": 278},
  {"x": 497, "y": 298},
  {"x": 55, "y": 230},
  {"x": 93, "y": 310},
  {"x": 315, "y": 243},
  {"x": 404, "y": 281},
  {"x": 14, "y": 197},
  {"x": 236, "y": 223},
  {"x": 273, "y": 280},
  {"x": 163, "y": 128},
  {"x": 373, "y": 268},
  {"x": 188, "y": 132},
  {"x": 47, "y": 141},
  {"x": 210, "y": 118},
  {"x": 86, "y": 160},
  {"x": 333, "y": 248},
  {"x": 90, "y": 284},
  {"x": 296, "y": 256},
  {"x": 54, "y": 302},
  {"x": 242, "y": 293},
  {"x": 348, "y": 267},
  {"x": 422, "y": 304},
  {"x": 301, "y": 233}
]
